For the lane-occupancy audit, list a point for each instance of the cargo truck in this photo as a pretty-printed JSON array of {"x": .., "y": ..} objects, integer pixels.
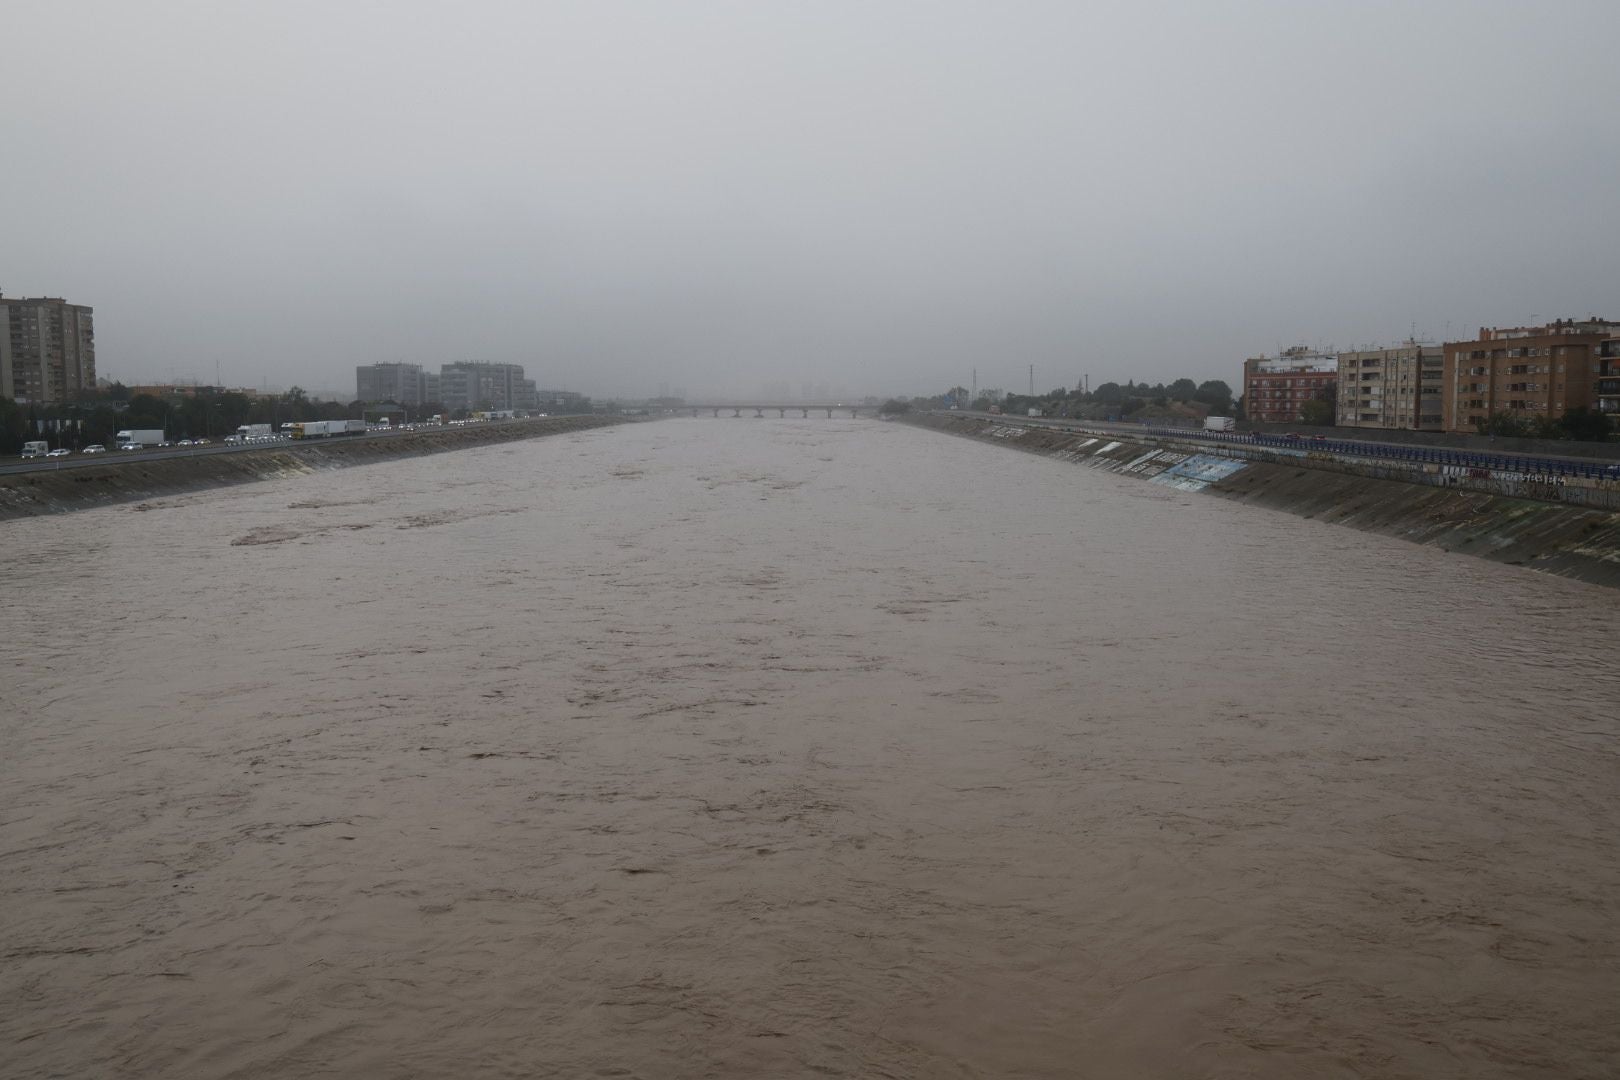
[
  {"x": 317, "y": 429},
  {"x": 1219, "y": 423},
  {"x": 36, "y": 449},
  {"x": 253, "y": 431},
  {"x": 139, "y": 438}
]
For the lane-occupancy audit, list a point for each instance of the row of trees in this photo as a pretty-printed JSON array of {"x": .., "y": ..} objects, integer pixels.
[
  {"x": 1109, "y": 400},
  {"x": 1579, "y": 423},
  {"x": 95, "y": 415}
]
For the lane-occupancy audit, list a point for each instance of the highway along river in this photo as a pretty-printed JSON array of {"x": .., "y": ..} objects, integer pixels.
[{"x": 779, "y": 748}]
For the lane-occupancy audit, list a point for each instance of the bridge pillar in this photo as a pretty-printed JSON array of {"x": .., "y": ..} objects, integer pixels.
[
  {"x": 717, "y": 412},
  {"x": 759, "y": 414},
  {"x": 736, "y": 412},
  {"x": 829, "y": 414},
  {"x": 694, "y": 412},
  {"x": 780, "y": 413},
  {"x": 806, "y": 414}
]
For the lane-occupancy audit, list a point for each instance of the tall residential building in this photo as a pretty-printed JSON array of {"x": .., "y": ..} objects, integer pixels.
[
  {"x": 1528, "y": 372},
  {"x": 403, "y": 384},
  {"x": 473, "y": 384},
  {"x": 1608, "y": 390},
  {"x": 1275, "y": 389},
  {"x": 1392, "y": 388},
  {"x": 47, "y": 349}
]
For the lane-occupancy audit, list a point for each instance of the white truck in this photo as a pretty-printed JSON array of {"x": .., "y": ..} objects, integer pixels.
[
  {"x": 1219, "y": 423},
  {"x": 35, "y": 449},
  {"x": 316, "y": 429},
  {"x": 248, "y": 432},
  {"x": 139, "y": 438}
]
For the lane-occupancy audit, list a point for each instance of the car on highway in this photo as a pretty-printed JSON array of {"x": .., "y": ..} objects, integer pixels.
[
  {"x": 184, "y": 442},
  {"x": 60, "y": 451},
  {"x": 95, "y": 448}
]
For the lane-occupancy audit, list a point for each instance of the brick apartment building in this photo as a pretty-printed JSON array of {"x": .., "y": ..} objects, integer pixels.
[
  {"x": 1529, "y": 372},
  {"x": 1275, "y": 389},
  {"x": 1402, "y": 388},
  {"x": 47, "y": 349}
]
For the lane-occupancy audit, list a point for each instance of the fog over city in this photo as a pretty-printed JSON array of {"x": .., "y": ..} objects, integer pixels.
[{"x": 881, "y": 197}]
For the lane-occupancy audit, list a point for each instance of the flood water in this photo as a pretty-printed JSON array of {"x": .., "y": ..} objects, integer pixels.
[{"x": 780, "y": 748}]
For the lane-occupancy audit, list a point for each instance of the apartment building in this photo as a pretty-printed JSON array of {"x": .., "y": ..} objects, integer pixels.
[
  {"x": 403, "y": 384},
  {"x": 1275, "y": 389},
  {"x": 47, "y": 349},
  {"x": 1608, "y": 388},
  {"x": 1401, "y": 388},
  {"x": 1528, "y": 372},
  {"x": 472, "y": 384}
]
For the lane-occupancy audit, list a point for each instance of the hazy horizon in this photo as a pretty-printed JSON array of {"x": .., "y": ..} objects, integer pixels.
[{"x": 876, "y": 197}]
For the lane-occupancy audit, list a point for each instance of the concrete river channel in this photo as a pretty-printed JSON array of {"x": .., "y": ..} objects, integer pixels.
[{"x": 799, "y": 747}]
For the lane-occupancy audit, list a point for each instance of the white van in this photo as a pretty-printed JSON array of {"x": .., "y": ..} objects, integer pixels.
[{"x": 36, "y": 449}]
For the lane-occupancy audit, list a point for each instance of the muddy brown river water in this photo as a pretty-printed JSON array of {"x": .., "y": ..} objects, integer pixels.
[{"x": 781, "y": 748}]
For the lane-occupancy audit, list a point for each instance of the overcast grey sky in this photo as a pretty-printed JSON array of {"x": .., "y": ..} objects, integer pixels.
[{"x": 874, "y": 195}]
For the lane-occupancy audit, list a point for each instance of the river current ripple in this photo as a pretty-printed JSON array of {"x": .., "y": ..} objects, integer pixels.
[{"x": 759, "y": 748}]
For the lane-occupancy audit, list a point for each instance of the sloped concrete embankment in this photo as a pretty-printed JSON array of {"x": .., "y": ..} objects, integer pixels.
[
  {"x": 1577, "y": 541},
  {"x": 52, "y": 491}
]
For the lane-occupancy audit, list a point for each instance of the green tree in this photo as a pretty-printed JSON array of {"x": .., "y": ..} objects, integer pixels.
[
  {"x": 895, "y": 407},
  {"x": 1183, "y": 389},
  {"x": 1317, "y": 413},
  {"x": 1586, "y": 425},
  {"x": 1504, "y": 425},
  {"x": 1214, "y": 393}
]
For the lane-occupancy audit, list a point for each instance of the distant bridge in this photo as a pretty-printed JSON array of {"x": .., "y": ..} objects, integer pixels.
[{"x": 760, "y": 408}]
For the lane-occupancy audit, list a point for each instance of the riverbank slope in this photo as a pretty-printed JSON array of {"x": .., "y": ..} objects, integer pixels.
[
  {"x": 52, "y": 491},
  {"x": 1554, "y": 537}
]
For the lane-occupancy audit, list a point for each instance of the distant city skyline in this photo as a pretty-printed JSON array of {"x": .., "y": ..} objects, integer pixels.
[{"x": 722, "y": 196}]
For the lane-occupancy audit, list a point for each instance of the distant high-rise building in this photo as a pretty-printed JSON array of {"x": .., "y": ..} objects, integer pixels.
[
  {"x": 403, "y": 384},
  {"x": 47, "y": 349},
  {"x": 474, "y": 384}
]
